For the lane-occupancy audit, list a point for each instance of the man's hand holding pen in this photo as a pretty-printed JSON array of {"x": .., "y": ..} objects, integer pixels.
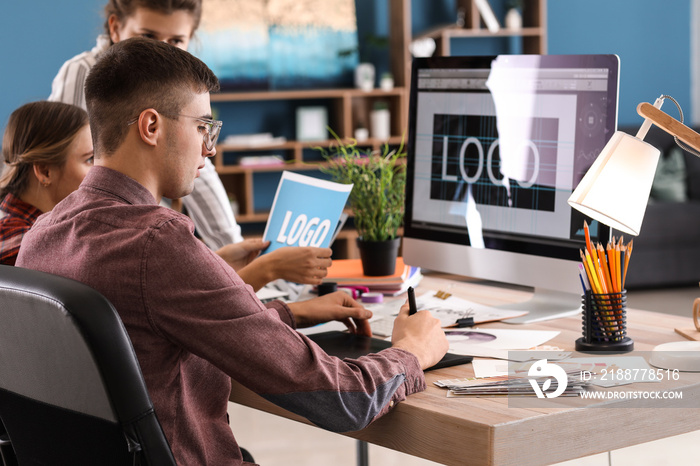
[{"x": 419, "y": 333}]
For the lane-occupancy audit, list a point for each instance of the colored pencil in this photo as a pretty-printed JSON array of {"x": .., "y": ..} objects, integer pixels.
[
  {"x": 588, "y": 237},
  {"x": 584, "y": 277},
  {"x": 605, "y": 269},
  {"x": 593, "y": 274},
  {"x": 618, "y": 265},
  {"x": 628, "y": 253},
  {"x": 611, "y": 266}
]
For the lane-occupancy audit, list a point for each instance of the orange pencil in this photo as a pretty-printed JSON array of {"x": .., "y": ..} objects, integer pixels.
[
  {"x": 611, "y": 264},
  {"x": 594, "y": 258},
  {"x": 589, "y": 246},
  {"x": 588, "y": 237},
  {"x": 605, "y": 269},
  {"x": 627, "y": 260},
  {"x": 601, "y": 279}
]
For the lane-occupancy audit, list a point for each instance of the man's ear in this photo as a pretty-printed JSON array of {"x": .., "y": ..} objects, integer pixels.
[
  {"x": 150, "y": 126},
  {"x": 114, "y": 26}
]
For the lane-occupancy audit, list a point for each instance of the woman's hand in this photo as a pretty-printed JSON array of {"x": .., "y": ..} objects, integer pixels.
[{"x": 238, "y": 255}]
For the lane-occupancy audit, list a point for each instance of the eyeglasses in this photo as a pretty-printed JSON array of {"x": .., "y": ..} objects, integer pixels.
[{"x": 211, "y": 128}]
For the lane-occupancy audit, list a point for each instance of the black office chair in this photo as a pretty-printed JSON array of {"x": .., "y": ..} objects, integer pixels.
[{"x": 71, "y": 389}]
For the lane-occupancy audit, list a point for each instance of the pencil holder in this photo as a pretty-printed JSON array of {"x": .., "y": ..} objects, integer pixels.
[{"x": 605, "y": 323}]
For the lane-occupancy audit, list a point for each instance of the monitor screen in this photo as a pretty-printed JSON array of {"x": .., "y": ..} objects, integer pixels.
[{"x": 496, "y": 146}]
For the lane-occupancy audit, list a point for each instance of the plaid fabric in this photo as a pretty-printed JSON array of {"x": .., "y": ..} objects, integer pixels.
[{"x": 18, "y": 217}]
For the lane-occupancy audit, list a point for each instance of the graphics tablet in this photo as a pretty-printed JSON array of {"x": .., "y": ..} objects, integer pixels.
[{"x": 347, "y": 345}]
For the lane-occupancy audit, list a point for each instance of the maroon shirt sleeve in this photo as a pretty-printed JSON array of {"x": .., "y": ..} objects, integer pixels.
[{"x": 213, "y": 314}]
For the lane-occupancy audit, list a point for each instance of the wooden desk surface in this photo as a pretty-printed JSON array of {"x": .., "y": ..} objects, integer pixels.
[{"x": 487, "y": 431}]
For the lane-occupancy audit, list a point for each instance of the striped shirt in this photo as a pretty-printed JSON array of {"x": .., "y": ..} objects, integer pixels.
[
  {"x": 17, "y": 218},
  {"x": 208, "y": 205},
  {"x": 69, "y": 84}
]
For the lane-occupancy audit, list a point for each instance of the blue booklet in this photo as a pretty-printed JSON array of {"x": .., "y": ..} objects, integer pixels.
[{"x": 306, "y": 211}]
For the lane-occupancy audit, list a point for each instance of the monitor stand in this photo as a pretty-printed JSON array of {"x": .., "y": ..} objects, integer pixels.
[{"x": 545, "y": 305}]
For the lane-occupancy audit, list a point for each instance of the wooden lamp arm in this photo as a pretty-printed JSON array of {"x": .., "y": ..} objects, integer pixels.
[{"x": 669, "y": 124}]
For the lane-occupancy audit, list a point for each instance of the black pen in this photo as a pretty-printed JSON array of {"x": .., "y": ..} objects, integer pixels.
[{"x": 411, "y": 301}]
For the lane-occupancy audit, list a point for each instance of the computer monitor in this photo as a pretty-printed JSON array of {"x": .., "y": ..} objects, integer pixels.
[{"x": 495, "y": 147}]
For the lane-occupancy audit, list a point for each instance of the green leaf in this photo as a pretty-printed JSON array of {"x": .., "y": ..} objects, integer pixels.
[{"x": 379, "y": 180}]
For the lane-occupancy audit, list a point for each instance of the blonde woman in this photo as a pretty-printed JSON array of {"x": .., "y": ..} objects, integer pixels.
[{"x": 47, "y": 150}]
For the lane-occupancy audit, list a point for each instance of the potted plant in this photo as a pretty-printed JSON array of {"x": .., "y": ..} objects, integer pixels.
[{"x": 377, "y": 199}]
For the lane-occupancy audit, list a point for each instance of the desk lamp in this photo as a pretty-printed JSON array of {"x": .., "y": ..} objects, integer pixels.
[
  {"x": 615, "y": 191},
  {"x": 616, "y": 188}
]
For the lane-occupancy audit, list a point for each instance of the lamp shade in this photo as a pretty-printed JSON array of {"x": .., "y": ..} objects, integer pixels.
[{"x": 615, "y": 190}]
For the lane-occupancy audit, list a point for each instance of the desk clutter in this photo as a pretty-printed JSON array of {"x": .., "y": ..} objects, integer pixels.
[
  {"x": 451, "y": 310},
  {"x": 347, "y": 273},
  {"x": 580, "y": 374},
  {"x": 602, "y": 272}
]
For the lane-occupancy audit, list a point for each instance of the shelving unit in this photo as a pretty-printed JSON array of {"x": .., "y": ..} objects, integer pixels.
[
  {"x": 533, "y": 32},
  {"x": 348, "y": 108},
  {"x": 348, "y": 103}
]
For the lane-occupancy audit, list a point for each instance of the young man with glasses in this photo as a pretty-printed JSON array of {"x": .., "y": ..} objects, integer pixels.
[{"x": 193, "y": 322}]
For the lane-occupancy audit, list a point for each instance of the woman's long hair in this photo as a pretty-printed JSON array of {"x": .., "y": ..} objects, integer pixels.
[{"x": 37, "y": 132}]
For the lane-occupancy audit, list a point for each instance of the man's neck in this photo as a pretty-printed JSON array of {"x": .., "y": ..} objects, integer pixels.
[{"x": 133, "y": 164}]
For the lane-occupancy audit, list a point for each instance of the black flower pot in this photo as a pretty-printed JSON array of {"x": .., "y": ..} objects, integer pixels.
[{"x": 379, "y": 257}]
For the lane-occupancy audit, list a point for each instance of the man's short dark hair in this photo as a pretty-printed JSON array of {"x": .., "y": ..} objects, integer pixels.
[{"x": 135, "y": 74}]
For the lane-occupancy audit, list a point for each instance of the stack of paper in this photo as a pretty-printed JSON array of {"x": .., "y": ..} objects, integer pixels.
[
  {"x": 348, "y": 272},
  {"x": 520, "y": 386}
]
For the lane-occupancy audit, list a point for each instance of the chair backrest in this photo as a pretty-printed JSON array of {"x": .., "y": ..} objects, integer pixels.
[{"x": 71, "y": 389}]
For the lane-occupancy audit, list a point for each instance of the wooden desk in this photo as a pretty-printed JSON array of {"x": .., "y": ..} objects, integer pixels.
[{"x": 486, "y": 431}]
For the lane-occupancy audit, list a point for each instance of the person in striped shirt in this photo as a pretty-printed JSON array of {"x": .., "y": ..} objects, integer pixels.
[{"x": 175, "y": 22}]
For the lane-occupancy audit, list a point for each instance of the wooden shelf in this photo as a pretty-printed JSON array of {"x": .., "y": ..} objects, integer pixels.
[
  {"x": 293, "y": 145},
  {"x": 533, "y": 32},
  {"x": 476, "y": 33},
  {"x": 304, "y": 94},
  {"x": 259, "y": 217}
]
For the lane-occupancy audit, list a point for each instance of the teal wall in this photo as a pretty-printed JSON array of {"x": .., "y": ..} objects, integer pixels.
[
  {"x": 651, "y": 37},
  {"x": 36, "y": 37}
]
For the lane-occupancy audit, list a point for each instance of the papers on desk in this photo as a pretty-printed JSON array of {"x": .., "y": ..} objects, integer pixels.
[
  {"x": 450, "y": 308},
  {"x": 497, "y": 343},
  {"x": 487, "y": 368},
  {"x": 604, "y": 369},
  {"x": 512, "y": 378},
  {"x": 447, "y": 309},
  {"x": 507, "y": 386}
]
